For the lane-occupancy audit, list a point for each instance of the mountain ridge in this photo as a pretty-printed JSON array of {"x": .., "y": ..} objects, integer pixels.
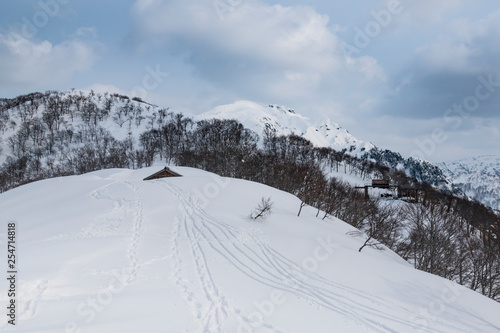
[
  {"x": 284, "y": 121},
  {"x": 325, "y": 133},
  {"x": 25, "y": 121}
]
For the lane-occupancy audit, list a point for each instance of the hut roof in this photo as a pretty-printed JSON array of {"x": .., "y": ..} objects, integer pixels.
[{"x": 165, "y": 172}]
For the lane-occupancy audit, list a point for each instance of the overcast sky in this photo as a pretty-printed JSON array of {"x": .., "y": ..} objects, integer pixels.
[{"x": 419, "y": 77}]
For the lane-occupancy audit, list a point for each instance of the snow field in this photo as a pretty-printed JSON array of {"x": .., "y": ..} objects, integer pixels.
[{"x": 109, "y": 252}]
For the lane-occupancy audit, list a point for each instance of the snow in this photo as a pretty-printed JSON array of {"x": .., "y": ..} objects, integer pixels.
[
  {"x": 478, "y": 177},
  {"x": 324, "y": 133},
  {"x": 109, "y": 252}
]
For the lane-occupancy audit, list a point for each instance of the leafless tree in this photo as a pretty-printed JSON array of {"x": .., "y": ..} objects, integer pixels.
[{"x": 263, "y": 209}]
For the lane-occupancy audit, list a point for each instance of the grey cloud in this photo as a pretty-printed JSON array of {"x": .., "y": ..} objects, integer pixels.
[
  {"x": 258, "y": 51},
  {"x": 462, "y": 68}
]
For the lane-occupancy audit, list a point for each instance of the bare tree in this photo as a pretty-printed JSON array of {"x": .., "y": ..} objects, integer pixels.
[
  {"x": 263, "y": 209},
  {"x": 381, "y": 226},
  {"x": 313, "y": 186}
]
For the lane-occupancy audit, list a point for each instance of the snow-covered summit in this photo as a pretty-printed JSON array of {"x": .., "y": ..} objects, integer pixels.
[{"x": 284, "y": 120}]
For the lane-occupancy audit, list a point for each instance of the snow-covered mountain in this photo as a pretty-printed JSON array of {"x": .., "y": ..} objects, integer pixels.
[
  {"x": 285, "y": 121},
  {"x": 324, "y": 133},
  {"x": 52, "y": 133},
  {"x": 109, "y": 252},
  {"x": 478, "y": 177},
  {"x": 32, "y": 120}
]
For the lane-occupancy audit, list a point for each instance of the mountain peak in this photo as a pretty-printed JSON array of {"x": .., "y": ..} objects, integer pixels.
[
  {"x": 283, "y": 109},
  {"x": 285, "y": 121}
]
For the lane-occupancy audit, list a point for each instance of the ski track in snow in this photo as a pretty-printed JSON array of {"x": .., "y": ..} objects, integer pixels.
[
  {"x": 137, "y": 232},
  {"x": 29, "y": 308},
  {"x": 210, "y": 309},
  {"x": 267, "y": 266},
  {"x": 28, "y": 302},
  {"x": 114, "y": 221},
  {"x": 203, "y": 234},
  {"x": 111, "y": 223}
]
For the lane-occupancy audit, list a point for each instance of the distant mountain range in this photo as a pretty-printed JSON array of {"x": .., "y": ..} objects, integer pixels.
[{"x": 477, "y": 177}]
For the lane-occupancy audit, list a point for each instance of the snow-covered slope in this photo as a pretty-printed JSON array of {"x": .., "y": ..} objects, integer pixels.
[
  {"x": 324, "y": 133},
  {"x": 478, "y": 177},
  {"x": 27, "y": 118},
  {"x": 109, "y": 252}
]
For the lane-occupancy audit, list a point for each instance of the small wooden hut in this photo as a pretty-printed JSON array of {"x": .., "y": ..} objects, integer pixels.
[
  {"x": 165, "y": 172},
  {"x": 380, "y": 183}
]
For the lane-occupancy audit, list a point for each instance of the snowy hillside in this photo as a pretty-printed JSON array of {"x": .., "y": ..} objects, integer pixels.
[
  {"x": 55, "y": 133},
  {"x": 324, "y": 133},
  {"x": 109, "y": 252},
  {"x": 478, "y": 177},
  {"x": 27, "y": 121}
]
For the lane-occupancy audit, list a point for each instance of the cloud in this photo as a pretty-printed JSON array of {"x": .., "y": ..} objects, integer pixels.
[
  {"x": 30, "y": 64},
  {"x": 449, "y": 70},
  {"x": 468, "y": 47},
  {"x": 258, "y": 51},
  {"x": 420, "y": 14}
]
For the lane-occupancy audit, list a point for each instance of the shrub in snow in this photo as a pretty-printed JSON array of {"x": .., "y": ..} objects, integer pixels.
[{"x": 263, "y": 209}]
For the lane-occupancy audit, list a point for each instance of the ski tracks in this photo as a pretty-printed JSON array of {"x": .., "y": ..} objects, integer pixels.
[
  {"x": 126, "y": 203},
  {"x": 123, "y": 208},
  {"x": 210, "y": 306},
  {"x": 138, "y": 231},
  {"x": 263, "y": 264}
]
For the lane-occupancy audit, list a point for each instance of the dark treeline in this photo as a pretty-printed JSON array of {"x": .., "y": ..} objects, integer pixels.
[{"x": 55, "y": 134}]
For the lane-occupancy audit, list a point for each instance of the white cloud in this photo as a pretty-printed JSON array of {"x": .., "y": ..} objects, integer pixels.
[
  {"x": 86, "y": 32},
  {"x": 267, "y": 53},
  {"x": 289, "y": 36},
  {"x": 369, "y": 68},
  {"x": 30, "y": 64}
]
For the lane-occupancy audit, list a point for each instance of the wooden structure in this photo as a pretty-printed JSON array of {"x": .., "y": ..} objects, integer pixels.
[
  {"x": 166, "y": 172},
  {"x": 409, "y": 194},
  {"x": 376, "y": 183},
  {"x": 380, "y": 183},
  {"x": 366, "y": 190}
]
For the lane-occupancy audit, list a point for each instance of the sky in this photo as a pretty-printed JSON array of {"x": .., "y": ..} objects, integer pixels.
[{"x": 418, "y": 77}]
